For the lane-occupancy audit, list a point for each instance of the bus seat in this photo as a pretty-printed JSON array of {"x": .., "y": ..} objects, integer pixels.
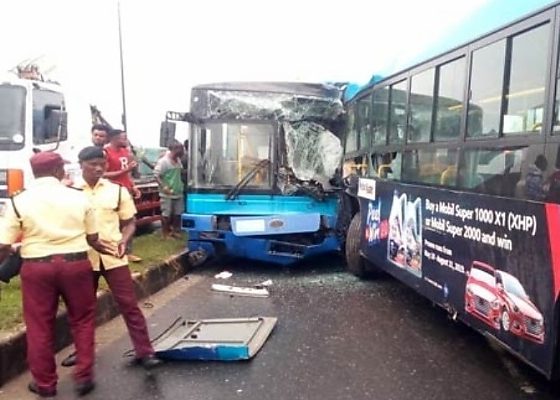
[
  {"x": 449, "y": 176},
  {"x": 384, "y": 170}
]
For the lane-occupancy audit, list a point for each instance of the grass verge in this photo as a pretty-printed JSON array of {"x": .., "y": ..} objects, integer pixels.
[{"x": 150, "y": 247}]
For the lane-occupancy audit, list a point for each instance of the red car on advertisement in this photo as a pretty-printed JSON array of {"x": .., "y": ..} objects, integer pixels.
[{"x": 498, "y": 299}]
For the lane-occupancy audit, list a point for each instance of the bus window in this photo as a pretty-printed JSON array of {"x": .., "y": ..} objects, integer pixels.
[
  {"x": 525, "y": 99},
  {"x": 398, "y": 112},
  {"x": 431, "y": 166},
  {"x": 496, "y": 172},
  {"x": 421, "y": 107},
  {"x": 556, "y": 122},
  {"x": 380, "y": 113},
  {"x": 364, "y": 121},
  {"x": 450, "y": 100},
  {"x": 46, "y": 102},
  {"x": 357, "y": 165},
  {"x": 352, "y": 134},
  {"x": 552, "y": 183},
  {"x": 225, "y": 153},
  {"x": 387, "y": 165},
  {"x": 487, "y": 77}
]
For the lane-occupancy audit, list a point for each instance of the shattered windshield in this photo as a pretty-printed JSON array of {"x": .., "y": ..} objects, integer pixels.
[
  {"x": 12, "y": 117},
  {"x": 313, "y": 151},
  {"x": 224, "y": 153},
  {"x": 247, "y": 105}
]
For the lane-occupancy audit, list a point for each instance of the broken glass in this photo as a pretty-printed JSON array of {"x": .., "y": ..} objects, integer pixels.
[
  {"x": 248, "y": 105},
  {"x": 313, "y": 152}
]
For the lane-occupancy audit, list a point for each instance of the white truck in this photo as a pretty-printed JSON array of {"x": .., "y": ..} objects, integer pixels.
[{"x": 35, "y": 115}]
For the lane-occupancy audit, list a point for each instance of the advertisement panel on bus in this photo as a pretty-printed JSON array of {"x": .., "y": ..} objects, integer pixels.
[{"x": 490, "y": 261}]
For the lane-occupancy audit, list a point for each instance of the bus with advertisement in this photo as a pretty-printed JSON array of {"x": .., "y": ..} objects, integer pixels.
[
  {"x": 456, "y": 189},
  {"x": 262, "y": 164}
]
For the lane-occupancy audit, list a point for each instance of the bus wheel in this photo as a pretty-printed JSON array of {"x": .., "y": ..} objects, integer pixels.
[{"x": 355, "y": 264}]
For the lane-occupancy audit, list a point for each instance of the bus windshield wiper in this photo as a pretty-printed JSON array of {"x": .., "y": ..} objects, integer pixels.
[{"x": 234, "y": 192}]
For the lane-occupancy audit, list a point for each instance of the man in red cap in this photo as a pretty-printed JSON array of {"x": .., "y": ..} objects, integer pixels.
[{"x": 57, "y": 227}]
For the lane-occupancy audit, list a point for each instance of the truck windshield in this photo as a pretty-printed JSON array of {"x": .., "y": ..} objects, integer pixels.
[
  {"x": 12, "y": 117},
  {"x": 223, "y": 154}
]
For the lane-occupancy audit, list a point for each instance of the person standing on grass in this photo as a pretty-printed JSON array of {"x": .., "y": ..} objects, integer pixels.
[
  {"x": 57, "y": 226},
  {"x": 168, "y": 173},
  {"x": 120, "y": 163},
  {"x": 115, "y": 211}
]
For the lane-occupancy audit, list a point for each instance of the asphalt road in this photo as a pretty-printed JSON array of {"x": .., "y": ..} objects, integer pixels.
[{"x": 336, "y": 338}]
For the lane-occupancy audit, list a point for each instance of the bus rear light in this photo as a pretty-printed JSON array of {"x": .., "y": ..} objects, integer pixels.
[{"x": 14, "y": 181}]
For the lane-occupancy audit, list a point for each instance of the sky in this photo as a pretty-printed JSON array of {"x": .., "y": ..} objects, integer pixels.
[{"x": 171, "y": 45}]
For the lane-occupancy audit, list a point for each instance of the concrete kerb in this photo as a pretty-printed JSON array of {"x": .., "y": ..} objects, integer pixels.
[{"x": 13, "y": 348}]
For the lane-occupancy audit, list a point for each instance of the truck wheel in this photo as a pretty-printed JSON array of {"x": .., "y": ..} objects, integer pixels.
[{"x": 355, "y": 264}]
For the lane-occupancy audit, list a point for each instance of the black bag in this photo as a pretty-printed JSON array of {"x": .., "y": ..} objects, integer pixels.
[{"x": 10, "y": 267}]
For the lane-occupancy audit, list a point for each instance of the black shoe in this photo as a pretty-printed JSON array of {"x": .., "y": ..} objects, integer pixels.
[
  {"x": 147, "y": 362},
  {"x": 84, "y": 388},
  {"x": 70, "y": 361},
  {"x": 33, "y": 388}
]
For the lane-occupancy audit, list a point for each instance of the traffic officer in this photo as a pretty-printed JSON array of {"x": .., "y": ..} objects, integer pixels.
[
  {"x": 57, "y": 227},
  {"x": 115, "y": 211}
]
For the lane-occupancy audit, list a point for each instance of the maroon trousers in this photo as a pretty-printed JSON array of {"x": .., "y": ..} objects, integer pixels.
[
  {"x": 42, "y": 285},
  {"x": 122, "y": 287}
]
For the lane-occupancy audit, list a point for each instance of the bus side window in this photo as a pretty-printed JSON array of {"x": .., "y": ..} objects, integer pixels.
[
  {"x": 493, "y": 171},
  {"x": 431, "y": 166},
  {"x": 552, "y": 179},
  {"x": 351, "y": 132},
  {"x": 387, "y": 165}
]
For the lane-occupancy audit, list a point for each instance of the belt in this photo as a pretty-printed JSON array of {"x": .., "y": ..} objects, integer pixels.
[{"x": 82, "y": 255}]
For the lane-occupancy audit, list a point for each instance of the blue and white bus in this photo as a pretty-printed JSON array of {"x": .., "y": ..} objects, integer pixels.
[
  {"x": 458, "y": 189},
  {"x": 263, "y": 157}
]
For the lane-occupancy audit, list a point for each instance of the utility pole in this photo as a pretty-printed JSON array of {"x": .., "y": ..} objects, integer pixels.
[{"x": 122, "y": 68}]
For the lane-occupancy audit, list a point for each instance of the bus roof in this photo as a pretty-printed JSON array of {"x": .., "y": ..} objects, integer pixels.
[
  {"x": 299, "y": 88},
  {"x": 493, "y": 17}
]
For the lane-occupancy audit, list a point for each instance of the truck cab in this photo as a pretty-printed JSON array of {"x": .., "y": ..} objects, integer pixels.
[{"x": 35, "y": 115}]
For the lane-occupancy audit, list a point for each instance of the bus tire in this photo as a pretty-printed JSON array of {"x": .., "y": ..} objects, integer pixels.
[{"x": 355, "y": 263}]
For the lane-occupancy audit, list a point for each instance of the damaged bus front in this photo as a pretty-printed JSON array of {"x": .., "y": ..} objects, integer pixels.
[{"x": 263, "y": 165}]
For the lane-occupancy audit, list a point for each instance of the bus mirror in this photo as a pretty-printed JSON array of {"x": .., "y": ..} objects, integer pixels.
[
  {"x": 166, "y": 133},
  {"x": 189, "y": 117}
]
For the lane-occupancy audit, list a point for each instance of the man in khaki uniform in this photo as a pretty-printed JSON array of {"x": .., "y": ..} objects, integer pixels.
[
  {"x": 115, "y": 211},
  {"x": 57, "y": 227}
]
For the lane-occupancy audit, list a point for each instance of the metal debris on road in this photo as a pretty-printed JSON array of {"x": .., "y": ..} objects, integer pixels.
[
  {"x": 223, "y": 275},
  {"x": 228, "y": 339},
  {"x": 240, "y": 291}
]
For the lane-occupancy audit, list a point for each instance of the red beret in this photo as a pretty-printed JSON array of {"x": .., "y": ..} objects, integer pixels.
[{"x": 45, "y": 161}]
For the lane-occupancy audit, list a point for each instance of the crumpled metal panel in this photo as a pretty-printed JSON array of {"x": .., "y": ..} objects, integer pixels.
[{"x": 313, "y": 152}]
